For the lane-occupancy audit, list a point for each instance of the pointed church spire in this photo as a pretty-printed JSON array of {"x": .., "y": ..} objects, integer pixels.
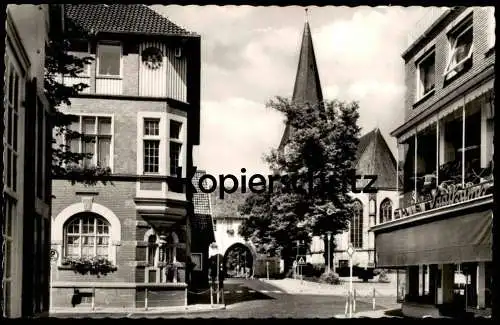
[
  {"x": 307, "y": 87},
  {"x": 307, "y": 84}
]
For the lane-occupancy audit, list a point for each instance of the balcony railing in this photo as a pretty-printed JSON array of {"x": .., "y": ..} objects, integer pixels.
[{"x": 447, "y": 193}]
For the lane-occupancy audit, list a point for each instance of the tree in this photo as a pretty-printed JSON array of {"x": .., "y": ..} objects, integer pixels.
[
  {"x": 59, "y": 61},
  {"x": 312, "y": 196}
]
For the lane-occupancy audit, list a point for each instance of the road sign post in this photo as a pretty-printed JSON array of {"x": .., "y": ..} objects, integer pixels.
[
  {"x": 301, "y": 261},
  {"x": 350, "y": 252}
]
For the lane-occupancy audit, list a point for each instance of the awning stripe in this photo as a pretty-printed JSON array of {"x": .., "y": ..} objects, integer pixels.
[{"x": 465, "y": 238}]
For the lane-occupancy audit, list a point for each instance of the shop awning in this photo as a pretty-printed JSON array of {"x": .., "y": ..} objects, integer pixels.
[{"x": 465, "y": 238}]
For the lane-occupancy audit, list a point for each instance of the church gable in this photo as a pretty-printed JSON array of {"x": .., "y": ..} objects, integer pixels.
[{"x": 375, "y": 158}]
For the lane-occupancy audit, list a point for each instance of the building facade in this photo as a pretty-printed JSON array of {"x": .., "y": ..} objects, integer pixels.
[
  {"x": 231, "y": 245},
  {"x": 26, "y": 160},
  {"x": 375, "y": 160},
  {"x": 139, "y": 117},
  {"x": 441, "y": 237}
]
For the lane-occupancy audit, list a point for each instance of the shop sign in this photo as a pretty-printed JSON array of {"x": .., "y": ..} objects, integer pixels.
[{"x": 443, "y": 197}]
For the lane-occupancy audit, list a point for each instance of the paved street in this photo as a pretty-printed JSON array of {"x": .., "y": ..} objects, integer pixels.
[{"x": 259, "y": 299}]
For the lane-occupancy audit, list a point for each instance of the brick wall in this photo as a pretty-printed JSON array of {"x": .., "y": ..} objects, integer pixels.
[
  {"x": 104, "y": 297},
  {"x": 118, "y": 197},
  {"x": 439, "y": 39}
]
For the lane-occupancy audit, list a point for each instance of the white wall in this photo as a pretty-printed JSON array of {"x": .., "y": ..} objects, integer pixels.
[{"x": 342, "y": 240}]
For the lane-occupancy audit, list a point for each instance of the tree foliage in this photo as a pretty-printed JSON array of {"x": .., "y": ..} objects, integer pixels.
[
  {"x": 59, "y": 61},
  {"x": 317, "y": 167}
]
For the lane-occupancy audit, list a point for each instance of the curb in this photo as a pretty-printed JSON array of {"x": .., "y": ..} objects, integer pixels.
[{"x": 138, "y": 311}]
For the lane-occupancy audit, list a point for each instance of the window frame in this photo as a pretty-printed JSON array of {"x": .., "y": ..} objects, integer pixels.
[
  {"x": 98, "y": 59},
  {"x": 466, "y": 25},
  {"x": 420, "y": 86},
  {"x": 141, "y": 116},
  {"x": 151, "y": 137},
  {"x": 169, "y": 249},
  {"x": 111, "y": 136},
  {"x": 356, "y": 226},
  {"x": 80, "y": 235},
  {"x": 181, "y": 139},
  {"x": 383, "y": 206}
]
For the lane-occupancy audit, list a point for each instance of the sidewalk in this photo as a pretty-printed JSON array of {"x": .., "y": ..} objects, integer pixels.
[
  {"x": 369, "y": 314},
  {"x": 363, "y": 289},
  {"x": 135, "y": 311}
]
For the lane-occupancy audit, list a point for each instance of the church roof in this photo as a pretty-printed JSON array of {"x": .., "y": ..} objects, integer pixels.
[
  {"x": 307, "y": 88},
  {"x": 374, "y": 157}
]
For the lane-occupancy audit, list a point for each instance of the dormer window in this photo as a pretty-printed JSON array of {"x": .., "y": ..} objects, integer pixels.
[
  {"x": 461, "y": 49},
  {"x": 109, "y": 60},
  {"x": 426, "y": 69}
]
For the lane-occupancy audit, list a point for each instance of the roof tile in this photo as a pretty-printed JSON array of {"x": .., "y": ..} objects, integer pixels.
[{"x": 122, "y": 18}]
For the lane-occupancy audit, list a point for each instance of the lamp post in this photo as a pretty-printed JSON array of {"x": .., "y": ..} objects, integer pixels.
[{"x": 328, "y": 236}]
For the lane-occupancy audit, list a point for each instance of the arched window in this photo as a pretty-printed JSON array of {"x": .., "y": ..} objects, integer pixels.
[
  {"x": 386, "y": 211},
  {"x": 87, "y": 235},
  {"x": 151, "y": 250},
  {"x": 357, "y": 225}
]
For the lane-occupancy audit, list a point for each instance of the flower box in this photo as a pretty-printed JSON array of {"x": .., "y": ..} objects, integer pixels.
[{"x": 89, "y": 265}]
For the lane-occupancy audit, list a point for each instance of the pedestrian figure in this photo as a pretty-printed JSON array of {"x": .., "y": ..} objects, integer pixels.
[{"x": 77, "y": 298}]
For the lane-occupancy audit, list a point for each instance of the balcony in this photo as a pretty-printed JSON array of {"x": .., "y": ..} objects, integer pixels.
[{"x": 449, "y": 160}]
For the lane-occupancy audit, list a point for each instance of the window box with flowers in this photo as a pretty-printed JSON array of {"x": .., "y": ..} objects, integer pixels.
[{"x": 89, "y": 265}]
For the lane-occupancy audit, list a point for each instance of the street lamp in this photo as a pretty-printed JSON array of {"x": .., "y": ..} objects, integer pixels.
[{"x": 329, "y": 236}]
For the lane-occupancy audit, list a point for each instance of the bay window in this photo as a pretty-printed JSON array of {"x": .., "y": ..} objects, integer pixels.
[{"x": 175, "y": 149}]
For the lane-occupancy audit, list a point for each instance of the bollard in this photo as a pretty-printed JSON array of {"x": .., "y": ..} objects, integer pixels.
[
  {"x": 93, "y": 298},
  {"x": 146, "y": 299},
  {"x": 211, "y": 296},
  {"x": 186, "y": 298},
  {"x": 373, "y": 299},
  {"x": 346, "y": 305},
  {"x": 223, "y": 298},
  {"x": 354, "y": 301},
  {"x": 218, "y": 293}
]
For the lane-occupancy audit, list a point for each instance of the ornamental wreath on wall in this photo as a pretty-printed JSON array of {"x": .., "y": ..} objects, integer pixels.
[{"x": 152, "y": 57}]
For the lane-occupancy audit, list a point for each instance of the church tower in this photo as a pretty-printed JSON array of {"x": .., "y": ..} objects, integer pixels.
[{"x": 307, "y": 87}]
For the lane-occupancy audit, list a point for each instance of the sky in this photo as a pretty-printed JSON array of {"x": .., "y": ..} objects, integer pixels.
[{"x": 250, "y": 55}]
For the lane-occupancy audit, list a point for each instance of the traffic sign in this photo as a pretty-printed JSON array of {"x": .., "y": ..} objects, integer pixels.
[
  {"x": 350, "y": 250},
  {"x": 301, "y": 260}
]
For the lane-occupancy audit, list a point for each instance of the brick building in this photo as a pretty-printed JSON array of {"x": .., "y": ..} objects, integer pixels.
[
  {"x": 441, "y": 237},
  {"x": 26, "y": 163},
  {"x": 139, "y": 117}
]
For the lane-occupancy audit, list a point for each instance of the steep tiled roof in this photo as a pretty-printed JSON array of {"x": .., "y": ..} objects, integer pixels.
[
  {"x": 122, "y": 18},
  {"x": 202, "y": 219},
  {"x": 375, "y": 158},
  {"x": 228, "y": 206}
]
